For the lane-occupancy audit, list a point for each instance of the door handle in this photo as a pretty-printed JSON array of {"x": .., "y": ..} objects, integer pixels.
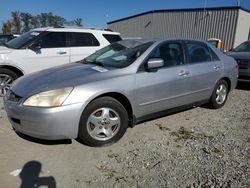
[
  {"x": 61, "y": 52},
  {"x": 216, "y": 67},
  {"x": 184, "y": 73}
]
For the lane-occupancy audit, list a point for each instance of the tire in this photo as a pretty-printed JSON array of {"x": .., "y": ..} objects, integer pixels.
[
  {"x": 6, "y": 79},
  {"x": 104, "y": 121},
  {"x": 220, "y": 94}
]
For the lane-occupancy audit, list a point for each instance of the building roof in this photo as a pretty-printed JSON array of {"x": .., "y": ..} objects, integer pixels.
[{"x": 184, "y": 9}]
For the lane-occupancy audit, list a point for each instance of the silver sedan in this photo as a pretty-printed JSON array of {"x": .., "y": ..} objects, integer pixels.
[{"x": 96, "y": 99}]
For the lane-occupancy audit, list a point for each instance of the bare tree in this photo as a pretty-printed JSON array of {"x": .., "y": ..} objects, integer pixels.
[{"x": 16, "y": 22}]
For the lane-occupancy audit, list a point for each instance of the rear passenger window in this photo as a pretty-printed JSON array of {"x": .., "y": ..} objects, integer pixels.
[
  {"x": 53, "y": 40},
  {"x": 198, "y": 52},
  {"x": 112, "y": 38},
  {"x": 83, "y": 39}
]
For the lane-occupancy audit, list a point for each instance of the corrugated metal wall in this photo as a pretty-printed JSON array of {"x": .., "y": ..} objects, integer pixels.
[{"x": 198, "y": 24}]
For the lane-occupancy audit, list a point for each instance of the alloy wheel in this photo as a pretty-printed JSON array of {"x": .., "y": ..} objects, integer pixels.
[
  {"x": 103, "y": 124},
  {"x": 5, "y": 83},
  {"x": 221, "y": 94}
]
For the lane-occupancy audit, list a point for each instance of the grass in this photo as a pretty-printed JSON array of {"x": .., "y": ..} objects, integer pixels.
[
  {"x": 162, "y": 128},
  {"x": 185, "y": 134}
]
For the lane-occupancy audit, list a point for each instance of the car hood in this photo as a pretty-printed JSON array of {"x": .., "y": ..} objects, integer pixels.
[
  {"x": 5, "y": 50},
  {"x": 63, "y": 76},
  {"x": 239, "y": 55}
]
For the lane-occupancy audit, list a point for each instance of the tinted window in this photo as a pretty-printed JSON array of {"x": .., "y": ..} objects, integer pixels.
[
  {"x": 244, "y": 47},
  {"x": 198, "y": 52},
  {"x": 22, "y": 40},
  {"x": 53, "y": 40},
  {"x": 83, "y": 39},
  {"x": 171, "y": 53},
  {"x": 112, "y": 38}
]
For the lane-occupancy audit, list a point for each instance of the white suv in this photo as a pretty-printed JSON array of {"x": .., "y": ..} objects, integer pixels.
[{"x": 48, "y": 47}]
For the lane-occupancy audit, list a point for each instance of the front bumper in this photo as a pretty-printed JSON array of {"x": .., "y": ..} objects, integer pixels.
[
  {"x": 244, "y": 75},
  {"x": 45, "y": 123}
]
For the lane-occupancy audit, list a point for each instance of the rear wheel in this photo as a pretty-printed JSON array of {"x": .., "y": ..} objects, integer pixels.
[
  {"x": 219, "y": 96},
  {"x": 104, "y": 121},
  {"x": 6, "y": 79}
]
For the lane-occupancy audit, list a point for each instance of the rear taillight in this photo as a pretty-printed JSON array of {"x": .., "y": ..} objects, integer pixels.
[{"x": 237, "y": 67}]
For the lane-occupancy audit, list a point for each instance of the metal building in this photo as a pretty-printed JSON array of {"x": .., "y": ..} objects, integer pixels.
[{"x": 230, "y": 24}]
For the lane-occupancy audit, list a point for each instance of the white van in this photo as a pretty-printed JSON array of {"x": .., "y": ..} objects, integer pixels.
[{"x": 44, "y": 48}]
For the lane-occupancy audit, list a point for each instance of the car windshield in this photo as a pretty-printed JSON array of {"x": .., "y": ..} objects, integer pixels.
[
  {"x": 118, "y": 55},
  {"x": 22, "y": 40},
  {"x": 244, "y": 47}
]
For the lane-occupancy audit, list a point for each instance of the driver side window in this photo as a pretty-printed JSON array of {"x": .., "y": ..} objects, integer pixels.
[
  {"x": 53, "y": 40},
  {"x": 171, "y": 53}
]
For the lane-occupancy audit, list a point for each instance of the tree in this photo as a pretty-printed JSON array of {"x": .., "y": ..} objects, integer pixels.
[
  {"x": 50, "y": 20},
  {"x": 16, "y": 22},
  {"x": 6, "y": 28},
  {"x": 26, "y": 19},
  {"x": 42, "y": 19},
  {"x": 23, "y": 22},
  {"x": 78, "y": 22},
  {"x": 34, "y": 22}
]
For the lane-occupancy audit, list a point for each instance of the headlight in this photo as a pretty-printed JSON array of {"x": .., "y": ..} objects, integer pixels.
[{"x": 52, "y": 98}]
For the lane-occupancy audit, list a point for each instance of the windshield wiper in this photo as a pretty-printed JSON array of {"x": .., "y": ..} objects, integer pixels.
[
  {"x": 8, "y": 46},
  {"x": 92, "y": 62}
]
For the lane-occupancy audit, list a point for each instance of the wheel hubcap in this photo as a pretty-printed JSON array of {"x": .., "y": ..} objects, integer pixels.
[
  {"x": 221, "y": 94},
  {"x": 5, "y": 83},
  {"x": 103, "y": 124}
]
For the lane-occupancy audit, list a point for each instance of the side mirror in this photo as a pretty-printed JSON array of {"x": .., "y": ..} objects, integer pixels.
[
  {"x": 154, "y": 63},
  {"x": 35, "y": 46}
]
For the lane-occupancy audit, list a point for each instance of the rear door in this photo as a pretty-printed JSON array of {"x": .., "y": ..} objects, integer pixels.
[
  {"x": 205, "y": 69},
  {"x": 82, "y": 45},
  {"x": 166, "y": 87}
]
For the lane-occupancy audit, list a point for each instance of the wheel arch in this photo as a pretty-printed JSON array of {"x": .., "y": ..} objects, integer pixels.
[
  {"x": 119, "y": 97},
  {"x": 18, "y": 71},
  {"x": 228, "y": 82}
]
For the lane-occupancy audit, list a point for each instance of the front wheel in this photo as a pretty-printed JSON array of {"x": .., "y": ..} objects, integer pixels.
[
  {"x": 104, "y": 121},
  {"x": 6, "y": 79},
  {"x": 219, "y": 96}
]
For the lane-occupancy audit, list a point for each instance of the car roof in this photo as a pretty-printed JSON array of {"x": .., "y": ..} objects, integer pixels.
[
  {"x": 76, "y": 29},
  {"x": 134, "y": 42}
]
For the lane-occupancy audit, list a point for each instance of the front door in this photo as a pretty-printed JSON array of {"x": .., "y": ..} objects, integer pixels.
[
  {"x": 53, "y": 52},
  {"x": 166, "y": 87}
]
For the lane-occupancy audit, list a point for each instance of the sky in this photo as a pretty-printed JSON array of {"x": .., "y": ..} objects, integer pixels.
[{"x": 96, "y": 13}]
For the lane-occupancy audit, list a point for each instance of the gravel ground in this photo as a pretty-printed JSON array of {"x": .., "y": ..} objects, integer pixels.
[{"x": 198, "y": 147}]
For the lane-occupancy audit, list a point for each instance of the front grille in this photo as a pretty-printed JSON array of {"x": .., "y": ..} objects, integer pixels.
[
  {"x": 243, "y": 63},
  {"x": 11, "y": 96},
  {"x": 244, "y": 77}
]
